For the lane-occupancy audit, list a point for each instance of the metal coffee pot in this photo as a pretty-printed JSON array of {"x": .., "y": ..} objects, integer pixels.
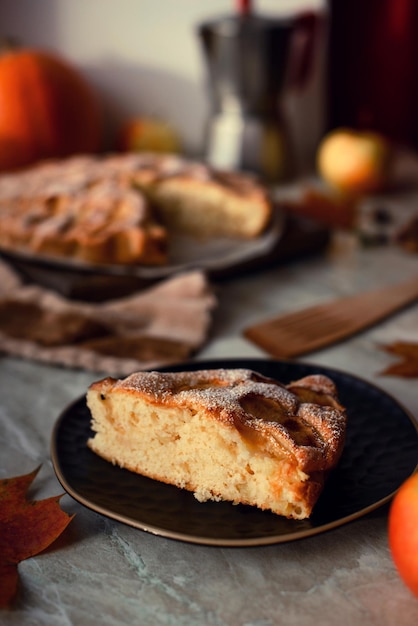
[{"x": 251, "y": 62}]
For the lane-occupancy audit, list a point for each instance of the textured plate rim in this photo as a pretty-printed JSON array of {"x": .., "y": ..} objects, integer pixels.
[{"x": 225, "y": 542}]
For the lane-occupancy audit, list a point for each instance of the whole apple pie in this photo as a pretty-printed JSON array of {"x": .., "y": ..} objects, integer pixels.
[{"x": 122, "y": 208}]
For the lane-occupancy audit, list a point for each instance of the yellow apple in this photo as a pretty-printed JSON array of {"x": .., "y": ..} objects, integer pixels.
[
  {"x": 354, "y": 162},
  {"x": 147, "y": 134}
]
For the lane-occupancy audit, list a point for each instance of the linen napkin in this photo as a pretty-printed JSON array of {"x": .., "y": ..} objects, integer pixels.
[{"x": 164, "y": 324}]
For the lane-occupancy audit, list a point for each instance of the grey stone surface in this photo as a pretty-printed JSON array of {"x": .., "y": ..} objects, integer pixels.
[{"x": 104, "y": 572}]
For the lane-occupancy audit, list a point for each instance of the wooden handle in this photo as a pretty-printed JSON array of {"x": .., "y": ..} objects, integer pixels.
[{"x": 293, "y": 334}]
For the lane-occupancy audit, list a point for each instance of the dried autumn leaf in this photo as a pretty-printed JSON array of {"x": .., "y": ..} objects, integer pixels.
[
  {"x": 407, "y": 364},
  {"x": 26, "y": 529}
]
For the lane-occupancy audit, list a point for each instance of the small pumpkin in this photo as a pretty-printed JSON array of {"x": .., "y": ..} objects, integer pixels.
[{"x": 47, "y": 109}]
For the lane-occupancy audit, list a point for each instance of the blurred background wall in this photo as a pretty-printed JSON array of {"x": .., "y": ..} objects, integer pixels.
[{"x": 144, "y": 56}]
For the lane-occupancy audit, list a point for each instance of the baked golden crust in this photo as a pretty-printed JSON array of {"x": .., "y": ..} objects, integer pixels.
[
  {"x": 106, "y": 222},
  {"x": 122, "y": 208},
  {"x": 223, "y": 434}
]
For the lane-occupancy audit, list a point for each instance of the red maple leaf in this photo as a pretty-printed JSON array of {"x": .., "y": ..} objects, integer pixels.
[
  {"x": 407, "y": 364},
  {"x": 26, "y": 528}
]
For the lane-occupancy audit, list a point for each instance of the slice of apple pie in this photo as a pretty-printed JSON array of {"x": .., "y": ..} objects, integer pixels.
[{"x": 223, "y": 434}]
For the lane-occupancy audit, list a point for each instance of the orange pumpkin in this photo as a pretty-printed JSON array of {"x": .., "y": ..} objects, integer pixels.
[{"x": 47, "y": 109}]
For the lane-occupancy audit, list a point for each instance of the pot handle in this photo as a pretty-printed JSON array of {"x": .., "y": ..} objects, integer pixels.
[{"x": 302, "y": 50}]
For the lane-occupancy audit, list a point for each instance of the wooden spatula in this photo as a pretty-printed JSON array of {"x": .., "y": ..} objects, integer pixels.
[{"x": 304, "y": 331}]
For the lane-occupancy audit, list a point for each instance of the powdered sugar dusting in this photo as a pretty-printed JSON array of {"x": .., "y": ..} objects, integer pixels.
[{"x": 313, "y": 433}]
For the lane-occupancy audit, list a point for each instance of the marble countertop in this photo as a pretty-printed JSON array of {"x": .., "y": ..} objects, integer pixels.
[{"x": 104, "y": 572}]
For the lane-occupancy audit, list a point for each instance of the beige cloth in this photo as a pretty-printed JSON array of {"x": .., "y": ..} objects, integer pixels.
[{"x": 161, "y": 325}]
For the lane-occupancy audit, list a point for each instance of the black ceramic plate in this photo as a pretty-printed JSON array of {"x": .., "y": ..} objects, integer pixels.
[{"x": 381, "y": 451}]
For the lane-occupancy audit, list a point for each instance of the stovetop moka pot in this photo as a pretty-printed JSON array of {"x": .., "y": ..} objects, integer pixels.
[{"x": 252, "y": 62}]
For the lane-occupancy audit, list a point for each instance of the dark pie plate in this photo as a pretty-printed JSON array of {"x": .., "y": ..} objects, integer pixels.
[
  {"x": 76, "y": 278},
  {"x": 381, "y": 451}
]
